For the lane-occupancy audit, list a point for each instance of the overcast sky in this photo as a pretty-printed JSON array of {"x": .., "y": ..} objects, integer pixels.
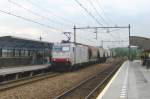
[{"x": 61, "y": 15}]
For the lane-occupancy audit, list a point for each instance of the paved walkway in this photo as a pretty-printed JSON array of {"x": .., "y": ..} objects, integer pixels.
[
  {"x": 22, "y": 69},
  {"x": 132, "y": 81}
]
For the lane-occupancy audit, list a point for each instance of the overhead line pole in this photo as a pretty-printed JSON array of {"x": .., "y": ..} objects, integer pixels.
[
  {"x": 123, "y": 27},
  {"x": 129, "y": 42},
  {"x": 74, "y": 28}
]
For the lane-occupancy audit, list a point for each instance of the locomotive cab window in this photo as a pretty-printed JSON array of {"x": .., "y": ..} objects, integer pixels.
[
  {"x": 61, "y": 48},
  {"x": 65, "y": 49}
]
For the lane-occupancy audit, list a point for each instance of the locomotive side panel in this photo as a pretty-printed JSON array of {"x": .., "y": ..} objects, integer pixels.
[{"x": 81, "y": 54}]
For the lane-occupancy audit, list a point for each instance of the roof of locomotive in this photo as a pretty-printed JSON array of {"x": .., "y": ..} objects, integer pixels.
[{"x": 72, "y": 43}]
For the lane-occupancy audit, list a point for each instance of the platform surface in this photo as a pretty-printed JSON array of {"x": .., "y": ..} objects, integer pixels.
[
  {"x": 132, "y": 81},
  {"x": 22, "y": 69}
]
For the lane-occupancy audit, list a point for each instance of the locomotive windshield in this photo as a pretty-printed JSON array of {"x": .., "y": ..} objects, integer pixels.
[{"x": 61, "y": 48}]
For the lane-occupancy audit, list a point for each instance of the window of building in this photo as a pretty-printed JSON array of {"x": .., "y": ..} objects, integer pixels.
[
  {"x": 4, "y": 52},
  {"x": 10, "y": 53},
  {"x": 7, "y": 53},
  {"x": 26, "y": 53},
  {"x": 16, "y": 53},
  {"x": 0, "y": 52},
  {"x": 30, "y": 53},
  {"x": 22, "y": 53}
]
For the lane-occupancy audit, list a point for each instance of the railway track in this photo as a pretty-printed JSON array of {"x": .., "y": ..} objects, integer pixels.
[
  {"x": 91, "y": 87},
  {"x": 27, "y": 80}
]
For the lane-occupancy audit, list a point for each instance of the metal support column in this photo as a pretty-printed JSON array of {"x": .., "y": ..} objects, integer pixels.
[
  {"x": 74, "y": 28},
  {"x": 129, "y": 43}
]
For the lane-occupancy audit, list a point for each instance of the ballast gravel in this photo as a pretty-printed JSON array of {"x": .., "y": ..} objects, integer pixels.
[{"x": 52, "y": 87}]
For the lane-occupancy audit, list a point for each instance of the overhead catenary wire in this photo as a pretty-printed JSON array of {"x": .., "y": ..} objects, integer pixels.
[
  {"x": 85, "y": 39},
  {"x": 89, "y": 13},
  {"x": 114, "y": 30},
  {"x": 34, "y": 13},
  {"x": 99, "y": 15},
  {"x": 30, "y": 11},
  {"x": 115, "y": 38},
  {"x": 110, "y": 32},
  {"x": 30, "y": 20},
  {"x": 51, "y": 12},
  {"x": 103, "y": 11},
  {"x": 41, "y": 8}
]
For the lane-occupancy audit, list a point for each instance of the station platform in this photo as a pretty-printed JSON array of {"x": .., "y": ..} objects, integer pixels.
[
  {"x": 132, "y": 81},
  {"x": 6, "y": 71}
]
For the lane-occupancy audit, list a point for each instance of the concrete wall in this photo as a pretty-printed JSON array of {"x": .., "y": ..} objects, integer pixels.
[{"x": 15, "y": 61}]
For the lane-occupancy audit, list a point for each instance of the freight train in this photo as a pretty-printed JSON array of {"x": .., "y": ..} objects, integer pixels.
[{"x": 71, "y": 55}]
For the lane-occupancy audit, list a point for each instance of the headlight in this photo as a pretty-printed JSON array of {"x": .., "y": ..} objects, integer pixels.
[{"x": 67, "y": 59}]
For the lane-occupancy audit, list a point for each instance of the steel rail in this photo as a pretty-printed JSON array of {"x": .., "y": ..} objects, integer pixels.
[
  {"x": 80, "y": 84},
  {"x": 102, "y": 83},
  {"x": 19, "y": 82}
]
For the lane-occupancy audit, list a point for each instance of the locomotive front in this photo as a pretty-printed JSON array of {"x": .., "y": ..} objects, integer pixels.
[{"x": 60, "y": 55}]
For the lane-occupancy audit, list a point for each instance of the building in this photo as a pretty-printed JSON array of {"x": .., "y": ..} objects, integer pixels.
[{"x": 18, "y": 51}]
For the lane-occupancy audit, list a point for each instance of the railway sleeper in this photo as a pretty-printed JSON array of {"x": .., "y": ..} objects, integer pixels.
[{"x": 86, "y": 86}]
